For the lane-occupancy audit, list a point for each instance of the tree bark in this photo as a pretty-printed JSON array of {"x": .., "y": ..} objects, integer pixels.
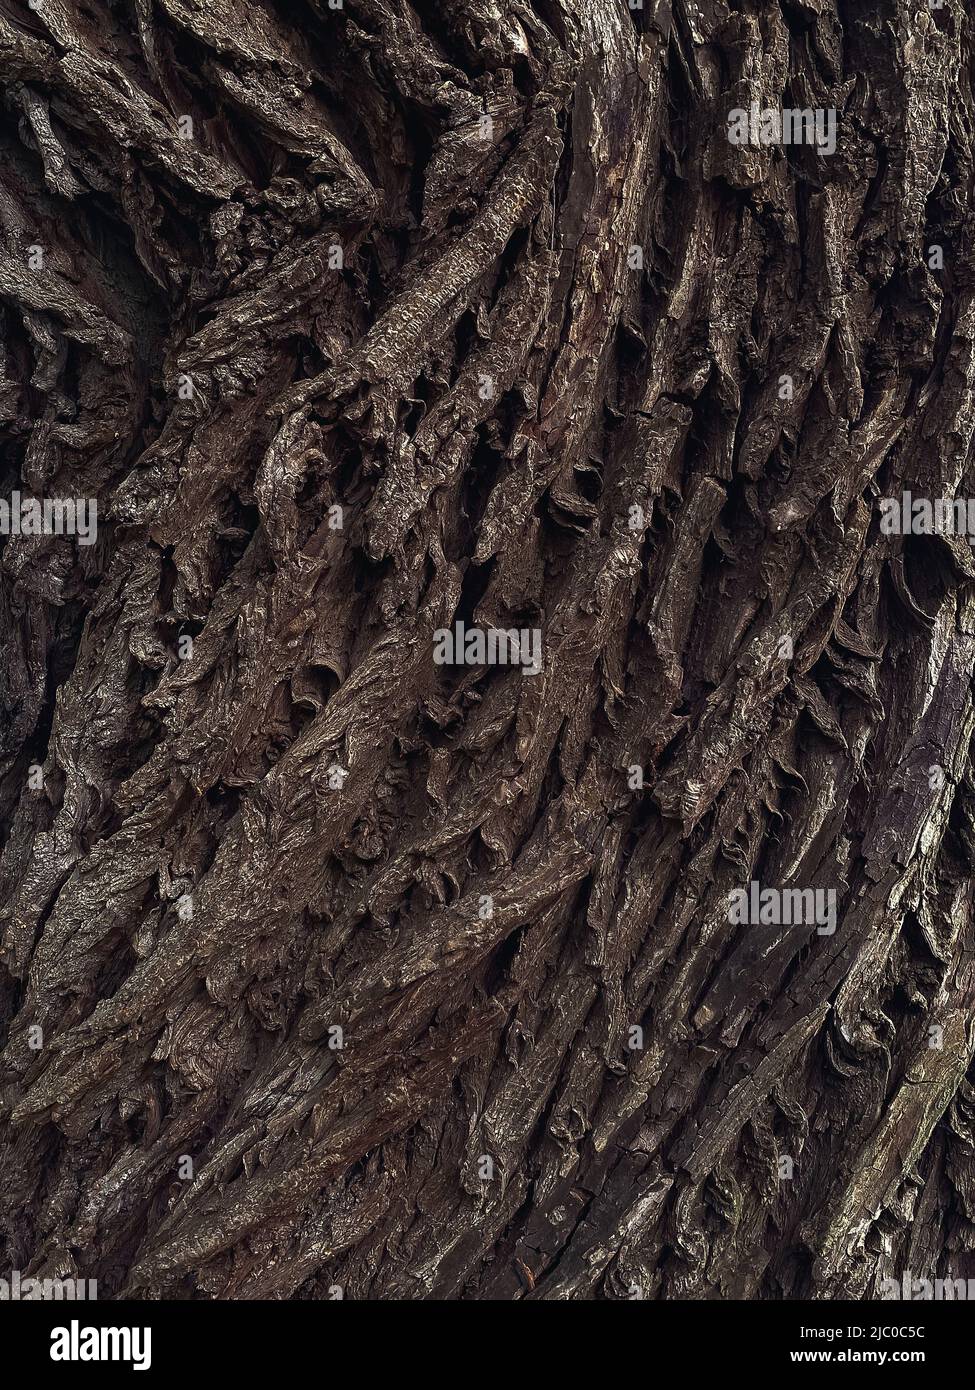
[{"x": 329, "y": 969}]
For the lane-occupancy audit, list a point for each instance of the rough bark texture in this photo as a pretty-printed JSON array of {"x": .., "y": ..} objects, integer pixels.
[{"x": 488, "y": 389}]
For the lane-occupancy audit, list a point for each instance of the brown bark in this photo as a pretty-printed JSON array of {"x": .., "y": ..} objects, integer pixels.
[{"x": 491, "y": 412}]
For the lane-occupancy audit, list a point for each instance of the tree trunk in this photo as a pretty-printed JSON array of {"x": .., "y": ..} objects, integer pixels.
[{"x": 347, "y": 951}]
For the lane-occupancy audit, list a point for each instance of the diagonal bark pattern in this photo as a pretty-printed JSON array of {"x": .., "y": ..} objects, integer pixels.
[{"x": 294, "y": 828}]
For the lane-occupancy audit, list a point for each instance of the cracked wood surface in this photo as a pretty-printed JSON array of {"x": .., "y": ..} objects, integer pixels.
[{"x": 486, "y": 168}]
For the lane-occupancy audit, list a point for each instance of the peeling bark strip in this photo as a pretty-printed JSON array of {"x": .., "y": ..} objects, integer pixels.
[{"x": 604, "y": 339}]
